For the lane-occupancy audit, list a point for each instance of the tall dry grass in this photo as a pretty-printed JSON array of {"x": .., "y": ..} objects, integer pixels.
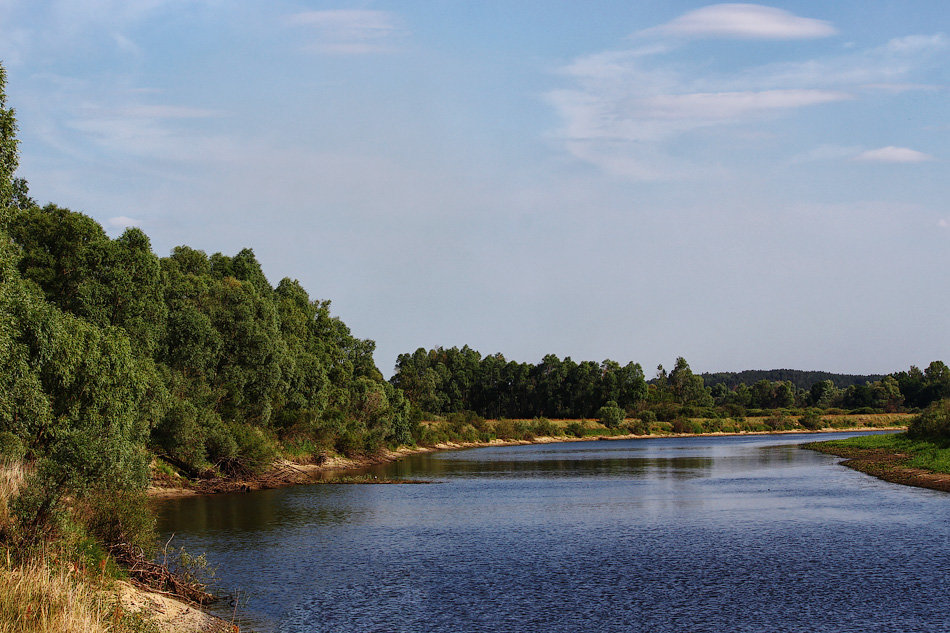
[
  {"x": 12, "y": 476},
  {"x": 35, "y": 598},
  {"x": 41, "y": 597}
]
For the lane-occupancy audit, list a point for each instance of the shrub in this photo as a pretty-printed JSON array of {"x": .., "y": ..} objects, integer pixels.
[
  {"x": 504, "y": 429},
  {"x": 610, "y": 415},
  {"x": 11, "y": 448},
  {"x": 778, "y": 421},
  {"x": 683, "y": 425},
  {"x": 543, "y": 427},
  {"x": 638, "y": 426},
  {"x": 811, "y": 419},
  {"x": 933, "y": 423},
  {"x": 121, "y": 518},
  {"x": 577, "y": 429}
]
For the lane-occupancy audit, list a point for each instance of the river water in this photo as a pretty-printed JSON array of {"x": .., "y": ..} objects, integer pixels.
[{"x": 718, "y": 534}]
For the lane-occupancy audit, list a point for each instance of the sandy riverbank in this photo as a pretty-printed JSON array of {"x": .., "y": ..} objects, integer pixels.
[
  {"x": 170, "y": 614},
  {"x": 287, "y": 473}
]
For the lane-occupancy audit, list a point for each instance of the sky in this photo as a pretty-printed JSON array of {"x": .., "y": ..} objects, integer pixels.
[{"x": 749, "y": 186}]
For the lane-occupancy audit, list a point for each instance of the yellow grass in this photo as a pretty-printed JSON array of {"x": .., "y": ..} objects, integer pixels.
[{"x": 37, "y": 597}]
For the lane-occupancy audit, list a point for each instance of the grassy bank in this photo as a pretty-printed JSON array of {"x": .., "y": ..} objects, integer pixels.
[
  {"x": 71, "y": 585},
  {"x": 306, "y": 464},
  {"x": 896, "y": 458},
  {"x": 472, "y": 429}
]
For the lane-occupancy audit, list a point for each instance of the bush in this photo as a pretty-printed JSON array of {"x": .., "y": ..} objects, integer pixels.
[
  {"x": 811, "y": 420},
  {"x": 685, "y": 425},
  {"x": 504, "y": 429},
  {"x": 121, "y": 517},
  {"x": 610, "y": 415},
  {"x": 933, "y": 423},
  {"x": 638, "y": 426},
  {"x": 543, "y": 427},
  {"x": 577, "y": 429},
  {"x": 11, "y": 448},
  {"x": 778, "y": 421}
]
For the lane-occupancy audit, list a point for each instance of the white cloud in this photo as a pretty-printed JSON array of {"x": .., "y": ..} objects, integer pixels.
[
  {"x": 123, "y": 222},
  {"x": 744, "y": 21},
  {"x": 891, "y": 154},
  {"x": 943, "y": 223},
  {"x": 350, "y": 31},
  {"x": 635, "y": 111}
]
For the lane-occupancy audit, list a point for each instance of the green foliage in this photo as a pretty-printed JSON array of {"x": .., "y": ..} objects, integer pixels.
[
  {"x": 779, "y": 421},
  {"x": 811, "y": 420},
  {"x": 932, "y": 423},
  {"x": 610, "y": 415},
  {"x": 11, "y": 448},
  {"x": 577, "y": 429},
  {"x": 121, "y": 517},
  {"x": 543, "y": 427},
  {"x": 445, "y": 381}
]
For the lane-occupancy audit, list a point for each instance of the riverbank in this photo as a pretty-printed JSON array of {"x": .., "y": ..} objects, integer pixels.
[
  {"x": 896, "y": 459},
  {"x": 289, "y": 473}
]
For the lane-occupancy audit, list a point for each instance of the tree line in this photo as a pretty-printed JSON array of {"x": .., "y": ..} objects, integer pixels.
[
  {"x": 443, "y": 381},
  {"x": 112, "y": 355}
]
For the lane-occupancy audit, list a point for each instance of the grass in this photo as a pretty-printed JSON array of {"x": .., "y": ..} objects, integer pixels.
[
  {"x": 52, "y": 594},
  {"x": 932, "y": 455},
  {"x": 434, "y": 432}
]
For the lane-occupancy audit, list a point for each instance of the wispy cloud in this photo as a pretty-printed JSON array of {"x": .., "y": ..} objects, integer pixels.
[
  {"x": 891, "y": 154},
  {"x": 630, "y": 112},
  {"x": 350, "y": 31},
  {"x": 743, "y": 21}
]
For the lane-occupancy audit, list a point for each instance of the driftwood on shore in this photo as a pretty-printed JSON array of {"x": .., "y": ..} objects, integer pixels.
[{"x": 157, "y": 577}]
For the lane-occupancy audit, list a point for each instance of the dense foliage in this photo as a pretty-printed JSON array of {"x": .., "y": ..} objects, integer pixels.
[
  {"x": 799, "y": 379},
  {"x": 443, "y": 381},
  {"x": 111, "y": 355}
]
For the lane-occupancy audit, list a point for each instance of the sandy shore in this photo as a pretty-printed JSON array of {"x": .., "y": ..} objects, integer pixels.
[
  {"x": 170, "y": 614},
  {"x": 286, "y": 473}
]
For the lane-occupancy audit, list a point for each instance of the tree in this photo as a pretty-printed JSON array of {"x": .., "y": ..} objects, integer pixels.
[
  {"x": 610, "y": 415},
  {"x": 687, "y": 388},
  {"x": 9, "y": 158}
]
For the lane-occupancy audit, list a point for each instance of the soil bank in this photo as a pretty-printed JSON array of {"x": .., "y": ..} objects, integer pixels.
[
  {"x": 288, "y": 473},
  {"x": 885, "y": 464}
]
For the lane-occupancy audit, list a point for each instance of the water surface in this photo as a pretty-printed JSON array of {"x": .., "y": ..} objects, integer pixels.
[{"x": 688, "y": 534}]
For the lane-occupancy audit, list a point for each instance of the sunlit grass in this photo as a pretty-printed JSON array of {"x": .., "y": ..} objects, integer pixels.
[
  {"x": 38, "y": 596},
  {"x": 926, "y": 454}
]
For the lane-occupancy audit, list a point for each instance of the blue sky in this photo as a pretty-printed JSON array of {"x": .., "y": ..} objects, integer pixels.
[{"x": 745, "y": 185}]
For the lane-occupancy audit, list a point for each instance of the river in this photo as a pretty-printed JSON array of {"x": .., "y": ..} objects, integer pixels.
[{"x": 718, "y": 534}]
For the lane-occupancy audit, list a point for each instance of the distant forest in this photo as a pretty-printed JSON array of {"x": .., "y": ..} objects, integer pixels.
[
  {"x": 442, "y": 381},
  {"x": 800, "y": 379}
]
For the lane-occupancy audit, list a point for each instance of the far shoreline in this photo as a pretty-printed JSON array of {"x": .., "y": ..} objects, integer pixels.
[{"x": 287, "y": 473}]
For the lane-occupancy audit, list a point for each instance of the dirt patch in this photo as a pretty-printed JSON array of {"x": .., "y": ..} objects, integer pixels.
[
  {"x": 885, "y": 464},
  {"x": 171, "y": 615}
]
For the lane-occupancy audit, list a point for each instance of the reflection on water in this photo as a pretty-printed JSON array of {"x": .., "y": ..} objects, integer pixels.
[{"x": 686, "y": 534}]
